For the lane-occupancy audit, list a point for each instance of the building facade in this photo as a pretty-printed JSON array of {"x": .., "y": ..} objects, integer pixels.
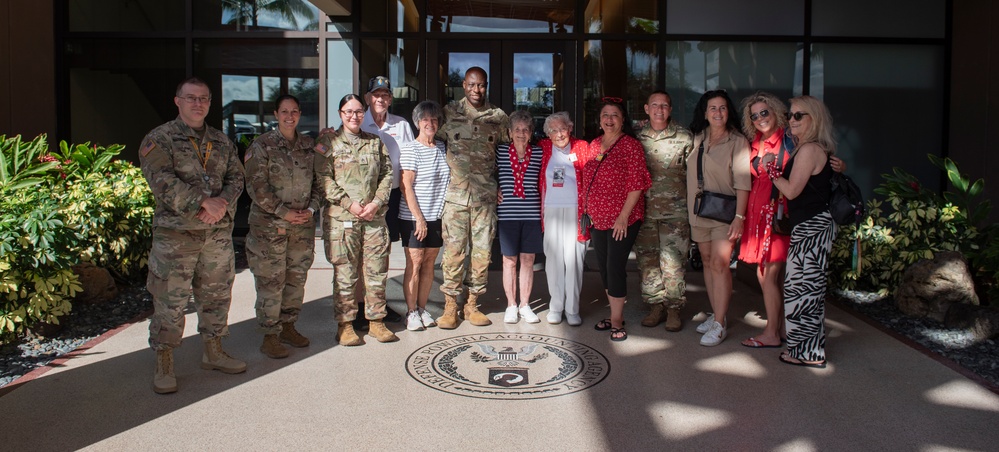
[{"x": 901, "y": 82}]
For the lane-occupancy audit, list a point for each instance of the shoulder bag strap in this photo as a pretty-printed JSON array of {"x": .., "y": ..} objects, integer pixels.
[
  {"x": 700, "y": 161},
  {"x": 586, "y": 199},
  {"x": 781, "y": 152}
]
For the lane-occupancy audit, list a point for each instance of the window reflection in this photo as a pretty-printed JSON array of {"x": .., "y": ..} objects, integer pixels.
[
  {"x": 625, "y": 69},
  {"x": 498, "y": 16},
  {"x": 256, "y": 15},
  {"x": 397, "y": 59},
  {"x": 454, "y": 64},
  {"x": 620, "y": 16}
]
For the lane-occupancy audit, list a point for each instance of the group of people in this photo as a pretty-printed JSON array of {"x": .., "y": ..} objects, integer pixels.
[{"x": 469, "y": 175}]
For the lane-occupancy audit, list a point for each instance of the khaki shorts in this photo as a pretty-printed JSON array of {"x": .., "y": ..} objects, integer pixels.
[{"x": 702, "y": 234}]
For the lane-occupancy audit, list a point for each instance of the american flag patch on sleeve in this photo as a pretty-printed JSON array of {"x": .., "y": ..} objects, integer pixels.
[
  {"x": 248, "y": 155},
  {"x": 322, "y": 149},
  {"x": 148, "y": 148}
]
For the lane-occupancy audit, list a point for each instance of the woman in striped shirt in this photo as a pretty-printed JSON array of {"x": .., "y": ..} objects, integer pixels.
[{"x": 519, "y": 214}]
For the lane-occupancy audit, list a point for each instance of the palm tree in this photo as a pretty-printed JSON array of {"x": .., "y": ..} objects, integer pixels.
[{"x": 247, "y": 11}]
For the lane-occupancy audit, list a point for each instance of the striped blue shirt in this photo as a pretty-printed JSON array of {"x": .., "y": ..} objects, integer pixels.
[{"x": 513, "y": 207}]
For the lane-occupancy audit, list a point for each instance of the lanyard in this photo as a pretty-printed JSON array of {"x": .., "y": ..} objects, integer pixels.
[{"x": 202, "y": 158}]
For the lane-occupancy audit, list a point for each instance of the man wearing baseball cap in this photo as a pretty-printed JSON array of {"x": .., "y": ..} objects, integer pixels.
[{"x": 394, "y": 131}]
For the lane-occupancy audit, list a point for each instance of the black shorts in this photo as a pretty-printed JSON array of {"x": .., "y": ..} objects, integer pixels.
[
  {"x": 434, "y": 239},
  {"x": 392, "y": 216},
  {"x": 520, "y": 236}
]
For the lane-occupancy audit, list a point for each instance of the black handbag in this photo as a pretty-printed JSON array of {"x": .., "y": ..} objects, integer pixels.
[
  {"x": 781, "y": 222},
  {"x": 711, "y": 205}
]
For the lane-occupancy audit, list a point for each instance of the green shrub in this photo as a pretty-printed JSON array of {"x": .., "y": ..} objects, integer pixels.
[
  {"x": 79, "y": 205},
  {"x": 912, "y": 224}
]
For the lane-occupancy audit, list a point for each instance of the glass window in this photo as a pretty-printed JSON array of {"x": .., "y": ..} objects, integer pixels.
[
  {"x": 390, "y": 15},
  {"x": 250, "y": 74},
  {"x": 619, "y": 16},
  {"x": 873, "y": 89},
  {"x": 339, "y": 77},
  {"x": 879, "y": 18},
  {"x": 741, "y": 68},
  {"x": 397, "y": 59},
  {"x": 454, "y": 64},
  {"x": 117, "y": 93},
  {"x": 625, "y": 69},
  {"x": 255, "y": 15},
  {"x": 735, "y": 17},
  {"x": 477, "y": 16},
  {"x": 135, "y": 15}
]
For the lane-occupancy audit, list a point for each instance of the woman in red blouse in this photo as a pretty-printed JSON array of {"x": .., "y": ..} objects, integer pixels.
[{"x": 611, "y": 195}]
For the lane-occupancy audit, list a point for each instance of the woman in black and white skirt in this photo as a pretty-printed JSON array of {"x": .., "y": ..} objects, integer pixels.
[{"x": 805, "y": 183}]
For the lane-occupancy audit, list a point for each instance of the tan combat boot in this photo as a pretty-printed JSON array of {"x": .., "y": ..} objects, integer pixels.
[
  {"x": 346, "y": 335},
  {"x": 289, "y": 335},
  {"x": 377, "y": 330},
  {"x": 472, "y": 313},
  {"x": 673, "y": 321},
  {"x": 164, "y": 382},
  {"x": 656, "y": 315},
  {"x": 449, "y": 320},
  {"x": 215, "y": 358},
  {"x": 272, "y": 347}
]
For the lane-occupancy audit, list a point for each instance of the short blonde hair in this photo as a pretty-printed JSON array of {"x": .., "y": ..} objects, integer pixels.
[
  {"x": 821, "y": 130},
  {"x": 777, "y": 110}
]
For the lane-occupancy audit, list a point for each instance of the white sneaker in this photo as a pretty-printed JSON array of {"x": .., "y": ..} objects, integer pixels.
[
  {"x": 413, "y": 321},
  {"x": 703, "y": 328},
  {"x": 511, "y": 315},
  {"x": 427, "y": 320},
  {"x": 573, "y": 319},
  {"x": 715, "y": 335},
  {"x": 528, "y": 314},
  {"x": 554, "y": 317}
]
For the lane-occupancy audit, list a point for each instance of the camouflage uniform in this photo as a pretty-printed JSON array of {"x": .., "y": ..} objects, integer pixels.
[
  {"x": 664, "y": 238},
  {"x": 469, "y": 217},
  {"x": 279, "y": 178},
  {"x": 348, "y": 171},
  {"x": 188, "y": 253}
]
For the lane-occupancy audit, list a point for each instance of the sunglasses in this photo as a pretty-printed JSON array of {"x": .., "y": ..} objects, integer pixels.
[
  {"x": 761, "y": 114},
  {"x": 612, "y": 100},
  {"x": 796, "y": 115}
]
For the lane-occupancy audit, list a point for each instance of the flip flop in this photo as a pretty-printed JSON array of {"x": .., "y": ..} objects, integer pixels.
[
  {"x": 621, "y": 331},
  {"x": 796, "y": 362},
  {"x": 755, "y": 343},
  {"x": 604, "y": 325}
]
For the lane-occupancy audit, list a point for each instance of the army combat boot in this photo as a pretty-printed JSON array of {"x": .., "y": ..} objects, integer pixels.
[
  {"x": 164, "y": 382},
  {"x": 472, "y": 313},
  {"x": 272, "y": 347},
  {"x": 215, "y": 358},
  {"x": 656, "y": 315},
  {"x": 377, "y": 330},
  {"x": 673, "y": 321},
  {"x": 346, "y": 336},
  {"x": 449, "y": 320},
  {"x": 289, "y": 335}
]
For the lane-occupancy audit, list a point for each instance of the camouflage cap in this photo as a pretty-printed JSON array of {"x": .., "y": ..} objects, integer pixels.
[{"x": 379, "y": 82}]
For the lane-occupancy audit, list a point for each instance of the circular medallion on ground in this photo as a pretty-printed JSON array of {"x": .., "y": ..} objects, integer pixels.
[{"x": 508, "y": 366}]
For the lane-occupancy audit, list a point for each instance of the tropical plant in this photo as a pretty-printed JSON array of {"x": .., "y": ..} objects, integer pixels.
[
  {"x": 247, "y": 12},
  {"x": 83, "y": 160},
  {"x": 23, "y": 165}
]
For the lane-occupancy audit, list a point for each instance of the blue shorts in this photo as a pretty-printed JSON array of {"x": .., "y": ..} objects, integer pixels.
[{"x": 520, "y": 236}]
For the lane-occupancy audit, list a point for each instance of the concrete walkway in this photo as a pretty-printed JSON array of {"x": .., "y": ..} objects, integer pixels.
[{"x": 661, "y": 391}]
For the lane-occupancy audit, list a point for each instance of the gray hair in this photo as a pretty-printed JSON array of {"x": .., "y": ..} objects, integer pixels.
[
  {"x": 555, "y": 117},
  {"x": 522, "y": 116},
  {"x": 428, "y": 108}
]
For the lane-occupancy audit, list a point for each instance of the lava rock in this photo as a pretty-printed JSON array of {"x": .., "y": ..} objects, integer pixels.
[
  {"x": 98, "y": 285},
  {"x": 930, "y": 286}
]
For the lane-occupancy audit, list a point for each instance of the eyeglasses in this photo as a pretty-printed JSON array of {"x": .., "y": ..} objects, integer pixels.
[
  {"x": 612, "y": 100},
  {"x": 796, "y": 115},
  {"x": 761, "y": 114},
  {"x": 352, "y": 112},
  {"x": 196, "y": 99}
]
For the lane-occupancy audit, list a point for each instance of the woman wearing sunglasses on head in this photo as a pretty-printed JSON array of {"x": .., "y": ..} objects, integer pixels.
[
  {"x": 804, "y": 181},
  {"x": 764, "y": 117},
  {"x": 718, "y": 184},
  {"x": 612, "y": 198}
]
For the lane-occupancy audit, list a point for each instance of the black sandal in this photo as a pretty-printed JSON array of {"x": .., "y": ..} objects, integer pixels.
[
  {"x": 605, "y": 325},
  {"x": 621, "y": 334}
]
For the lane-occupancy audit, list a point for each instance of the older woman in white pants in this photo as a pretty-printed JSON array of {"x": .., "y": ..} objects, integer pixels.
[{"x": 562, "y": 158}]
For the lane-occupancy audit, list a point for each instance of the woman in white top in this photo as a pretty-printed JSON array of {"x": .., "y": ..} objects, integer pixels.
[
  {"x": 561, "y": 161},
  {"x": 425, "y": 176}
]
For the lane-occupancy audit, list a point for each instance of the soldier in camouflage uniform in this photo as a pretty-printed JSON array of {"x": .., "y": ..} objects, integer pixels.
[
  {"x": 664, "y": 238},
  {"x": 281, "y": 244},
  {"x": 354, "y": 171},
  {"x": 196, "y": 178},
  {"x": 472, "y": 129}
]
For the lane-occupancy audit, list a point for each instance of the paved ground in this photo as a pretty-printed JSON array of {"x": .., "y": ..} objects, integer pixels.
[{"x": 662, "y": 391}]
